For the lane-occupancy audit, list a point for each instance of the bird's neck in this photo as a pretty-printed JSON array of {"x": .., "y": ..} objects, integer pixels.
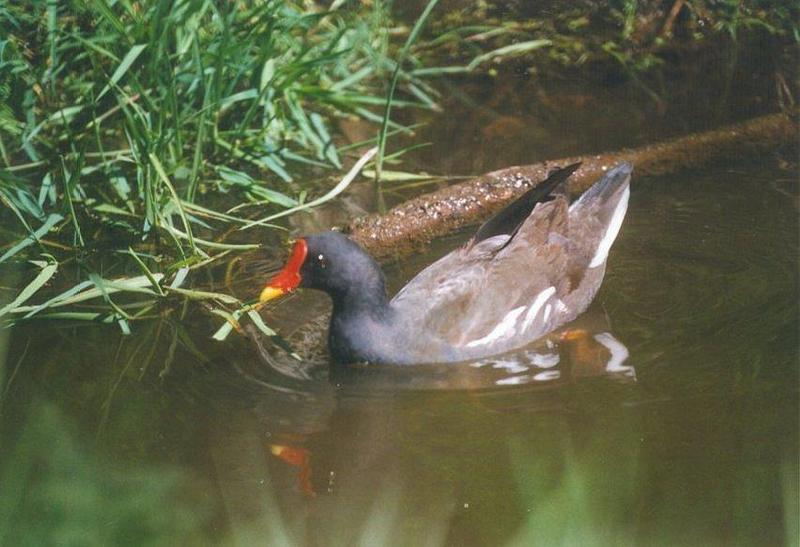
[
  {"x": 359, "y": 325},
  {"x": 365, "y": 298}
]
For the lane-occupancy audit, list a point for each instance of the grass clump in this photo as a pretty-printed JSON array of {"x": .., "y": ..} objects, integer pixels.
[{"x": 146, "y": 128}]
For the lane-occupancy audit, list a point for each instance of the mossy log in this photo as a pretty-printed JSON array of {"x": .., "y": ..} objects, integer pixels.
[{"x": 415, "y": 222}]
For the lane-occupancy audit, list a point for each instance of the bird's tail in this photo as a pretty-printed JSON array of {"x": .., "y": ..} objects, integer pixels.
[{"x": 604, "y": 204}]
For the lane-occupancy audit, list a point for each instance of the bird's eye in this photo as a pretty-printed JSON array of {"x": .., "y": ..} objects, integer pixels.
[{"x": 322, "y": 261}]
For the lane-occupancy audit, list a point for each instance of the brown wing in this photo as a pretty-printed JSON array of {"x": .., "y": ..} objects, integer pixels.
[{"x": 467, "y": 294}]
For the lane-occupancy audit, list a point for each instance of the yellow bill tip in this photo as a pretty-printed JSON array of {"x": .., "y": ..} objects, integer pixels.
[{"x": 270, "y": 293}]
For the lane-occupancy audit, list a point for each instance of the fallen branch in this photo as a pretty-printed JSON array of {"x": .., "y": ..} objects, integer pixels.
[{"x": 417, "y": 221}]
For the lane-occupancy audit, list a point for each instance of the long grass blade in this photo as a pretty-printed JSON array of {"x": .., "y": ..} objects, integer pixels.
[
  {"x": 66, "y": 294},
  {"x": 204, "y": 295},
  {"x": 176, "y": 200},
  {"x": 335, "y": 191},
  {"x": 147, "y": 273},
  {"x": 387, "y": 112},
  {"x": 47, "y": 272},
  {"x": 70, "y": 181},
  {"x": 130, "y": 284},
  {"x": 123, "y": 67},
  {"x": 231, "y": 323},
  {"x": 51, "y": 221}
]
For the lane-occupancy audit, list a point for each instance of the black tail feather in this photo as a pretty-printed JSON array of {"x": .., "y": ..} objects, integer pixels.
[{"x": 509, "y": 220}]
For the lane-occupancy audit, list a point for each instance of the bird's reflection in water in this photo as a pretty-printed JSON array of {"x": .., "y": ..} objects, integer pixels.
[
  {"x": 298, "y": 402},
  {"x": 585, "y": 355},
  {"x": 312, "y": 452}
]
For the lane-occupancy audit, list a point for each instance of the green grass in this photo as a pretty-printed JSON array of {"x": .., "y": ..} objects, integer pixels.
[{"x": 153, "y": 131}]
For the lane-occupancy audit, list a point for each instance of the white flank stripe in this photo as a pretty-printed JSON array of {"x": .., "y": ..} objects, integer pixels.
[
  {"x": 613, "y": 229},
  {"x": 547, "y": 309},
  {"x": 538, "y": 302},
  {"x": 503, "y": 329}
]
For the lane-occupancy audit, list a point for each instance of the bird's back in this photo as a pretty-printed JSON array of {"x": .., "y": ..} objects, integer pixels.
[{"x": 508, "y": 290}]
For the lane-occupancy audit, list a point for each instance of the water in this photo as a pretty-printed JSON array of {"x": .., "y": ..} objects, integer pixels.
[
  {"x": 695, "y": 443},
  {"x": 669, "y": 417}
]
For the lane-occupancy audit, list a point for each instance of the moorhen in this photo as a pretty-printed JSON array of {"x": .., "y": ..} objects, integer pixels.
[{"x": 534, "y": 266}]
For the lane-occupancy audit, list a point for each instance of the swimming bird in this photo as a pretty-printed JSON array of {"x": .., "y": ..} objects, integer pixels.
[{"x": 534, "y": 266}]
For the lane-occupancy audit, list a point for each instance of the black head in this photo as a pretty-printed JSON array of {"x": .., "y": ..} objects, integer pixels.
[
  {"x": 330, "y": 262},
  {"x": 337, "y": 265}
]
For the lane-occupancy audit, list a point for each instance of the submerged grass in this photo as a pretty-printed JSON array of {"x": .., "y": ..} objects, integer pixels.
[{"x": 123, "y": 126}]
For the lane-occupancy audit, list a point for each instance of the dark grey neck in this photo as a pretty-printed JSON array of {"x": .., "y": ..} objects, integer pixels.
[
  {"x": 366, "y": 297},
  {"x": 360, "y": 322}
]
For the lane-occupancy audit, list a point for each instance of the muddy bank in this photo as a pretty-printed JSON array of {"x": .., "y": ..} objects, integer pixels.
[{"x": 415, "y": 222}]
